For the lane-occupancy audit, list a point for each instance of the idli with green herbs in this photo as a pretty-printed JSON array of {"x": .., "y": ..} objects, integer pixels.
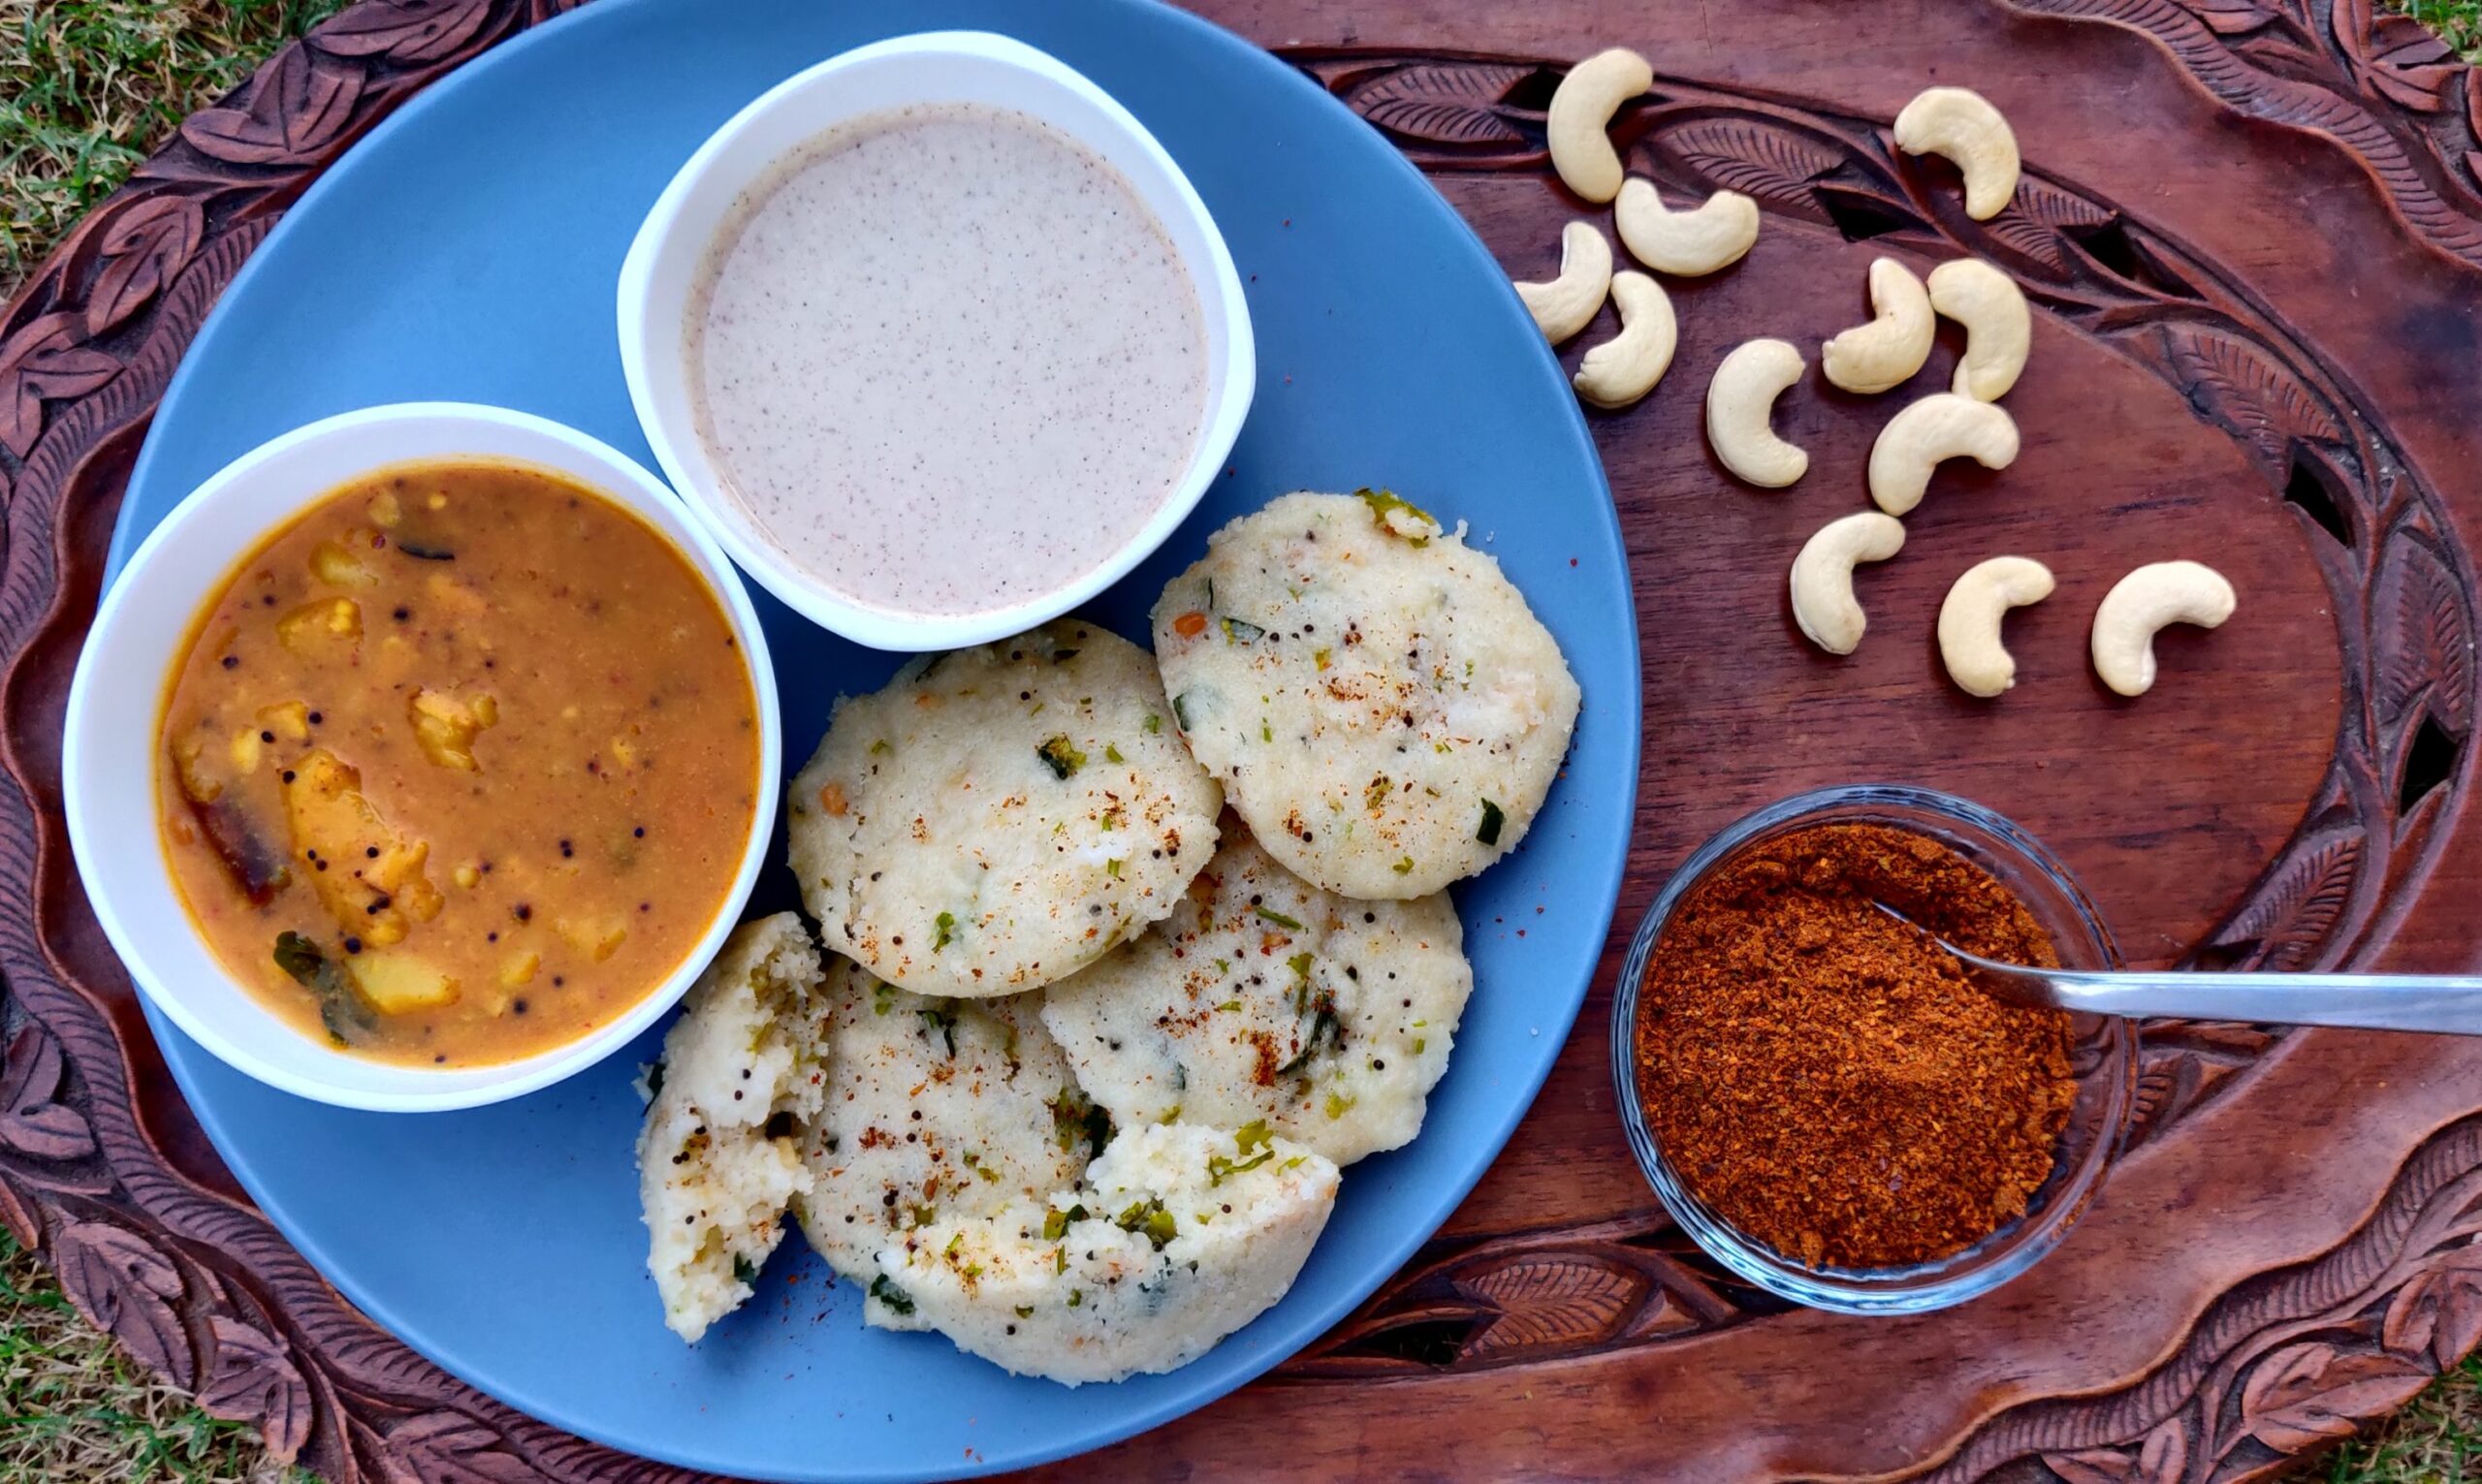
[
  {"x": 719, "y": 1154},
  {"x": 1000, "y": 817},
  {"x": 934, "y": 1109},
  {"x": 1375, "y": 695},
  {"x": 1178, "y": 1236},
  {"x": 1264, "y": 999}
]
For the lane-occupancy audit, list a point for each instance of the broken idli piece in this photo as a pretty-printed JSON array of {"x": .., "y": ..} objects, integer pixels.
[
  {"x": 935, "y": 1109},
  {"x": 1375, "y": 695},
  {"x": 719, "y": 1156},
  {"x": 1264, "y": 999},
  {"x": 1000, "y": 817},
  {"x": 1179, "y": 1236}
]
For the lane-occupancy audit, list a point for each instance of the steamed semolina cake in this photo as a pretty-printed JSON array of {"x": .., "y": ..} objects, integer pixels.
[
  {"x": 719, "y": 1157},
  {"x": 1000, "y": 817},
  {"x": 1179, "y": 1236},
  {"x": 1264, "y": 999},
  {"x": 935, "y": 1109},
  {"x": 1376, "y": 699}
]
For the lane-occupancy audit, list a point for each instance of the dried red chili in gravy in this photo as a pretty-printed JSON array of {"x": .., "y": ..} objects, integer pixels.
[{"x": 1828, "y": 1081}]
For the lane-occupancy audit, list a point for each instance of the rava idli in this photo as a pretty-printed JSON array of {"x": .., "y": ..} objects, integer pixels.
[
  {"x": 936, "y": 1109},
  {"x": 1000, "y": 817},
  {"x": 719, "y": 1156},
  {"x": 1376, "y": 697},
  {"x": 1179, "y": 1236},
  {"x": 1263, "y": 998}
]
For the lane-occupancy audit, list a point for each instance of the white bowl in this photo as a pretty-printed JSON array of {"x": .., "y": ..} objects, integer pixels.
[
  {"x": 661, "y": 272},
  {"x": 109, "y": 753}
]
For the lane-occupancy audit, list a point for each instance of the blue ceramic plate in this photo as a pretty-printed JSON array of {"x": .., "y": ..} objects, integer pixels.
[{"x": 468, "y": 250}]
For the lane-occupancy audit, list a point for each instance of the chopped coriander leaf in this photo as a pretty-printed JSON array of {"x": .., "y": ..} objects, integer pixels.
[
  {"x": 1337, "y": 1103},
  {"x": 1112, "y": 754},
  {"x": 1489, "y": 830},
  {"x": 1113, "y": 868},
  {"x": 1149, "y": 1219},
  {"x": 1403, "y": 868},
  {"x": 944, "y": 932},
  {"x": 1076, "y": 1298},
  {"x": 1242, "y": 631},
  {"x": 1269, "y": 914},
  {"x": 1025, "y": 1310},
  {"x": 880, "y": 748},
  {"x": 1061, "y": 758},
  {"x": 1229, "y": 1005},
  {"x": 1152, "y": 724},
  {"x": 924, "y": 1216},
  {"x": 891, "y": 1295},
  {"x": 942, "y": 1018},
  {"x": 1266, "y": 733}
]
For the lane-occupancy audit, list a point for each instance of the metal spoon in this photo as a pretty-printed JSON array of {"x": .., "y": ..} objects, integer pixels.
[{"x": 2450, "y": 1004}]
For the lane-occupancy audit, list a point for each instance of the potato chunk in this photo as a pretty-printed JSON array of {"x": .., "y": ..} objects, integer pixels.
[
  {"x": 373, "y": 880},
  {"x": 338, "y": 565},
  {"x": 396, "y": 983},
  {"x": 446, "y": 726},
  {"x": 318, "y": 629}
]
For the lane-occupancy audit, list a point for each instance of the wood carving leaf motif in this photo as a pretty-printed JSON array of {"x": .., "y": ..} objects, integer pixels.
[
  {"x": 2034, "y": 220},
  {"x": 147, "y": 243},
  {"x": 2163, "y": 1458},
  {"x": 2429, "y": 655},
  {"x": 32, "y": 1121},
  {"x": 2291, "y": 916},
  {"x": 2438, "y": 1313},
  {"x": 2308, "y": 1395},
  {"x": 1757, "y": 159},
  {"x": 121, "y": 1283},
  {"x": 48, "y": 359},
  {"x": 2237, "y": 383},
  {"x": 253, "y": 1379},
  {"x": 2396, "y": 56},
  {"x": 2232, "y": 17},
  {"x": 1444, "y": 104},
  {"x": 449, "y": 1448},
  {"x": 299, "y": 103},
  {"x": 404, "y": 32},
  {"x": 1552, "y": 1300}
]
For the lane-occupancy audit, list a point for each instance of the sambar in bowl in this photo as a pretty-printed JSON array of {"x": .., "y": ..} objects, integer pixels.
[{"x": 459, "y": 764}]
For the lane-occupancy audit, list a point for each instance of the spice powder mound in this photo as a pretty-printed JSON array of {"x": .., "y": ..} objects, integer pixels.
[{"x": 1830, "y": 1082}]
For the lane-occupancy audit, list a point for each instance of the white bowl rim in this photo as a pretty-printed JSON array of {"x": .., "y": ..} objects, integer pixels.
[
  {"x": 689, "y": 468},
  {"x": 397, "y": 1087}
]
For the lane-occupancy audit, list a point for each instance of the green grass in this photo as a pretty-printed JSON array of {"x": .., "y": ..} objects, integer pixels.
[
  {"x": 73, "y": 1407},
  {"x": 2458, "y": 21},
  {"x": 87, "y": 87}
]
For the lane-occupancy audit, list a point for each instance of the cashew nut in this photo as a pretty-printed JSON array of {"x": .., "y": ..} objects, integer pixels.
[
  {"x": 1887, "y": 350},
  {"x": 1626, "y": 367},
  {"x": 1741, "y": 400},
  {"x": 1569, "y": 302},
  {"x": 2145, "y": 601},
  {"x": 1998, "y": 327},
  {"x": 1941, "y": 425},
  {"x": 1582, "y": 110},
  {"x": 1822, "y": 602},
  {"x": 1963, "y": 126},
  {"x": 1711, "y": 236},
  {"x": 1969, "y": 620}
]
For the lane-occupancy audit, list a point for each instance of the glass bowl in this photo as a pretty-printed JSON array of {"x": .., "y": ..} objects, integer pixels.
[{"x": 2103, "y": 1056}]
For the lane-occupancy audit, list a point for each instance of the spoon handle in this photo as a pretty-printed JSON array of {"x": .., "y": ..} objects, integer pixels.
[{"x": 2450, "y": 1003}]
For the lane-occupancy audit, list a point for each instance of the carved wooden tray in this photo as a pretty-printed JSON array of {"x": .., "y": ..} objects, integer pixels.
[{"x": 2254, "y": 230}]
